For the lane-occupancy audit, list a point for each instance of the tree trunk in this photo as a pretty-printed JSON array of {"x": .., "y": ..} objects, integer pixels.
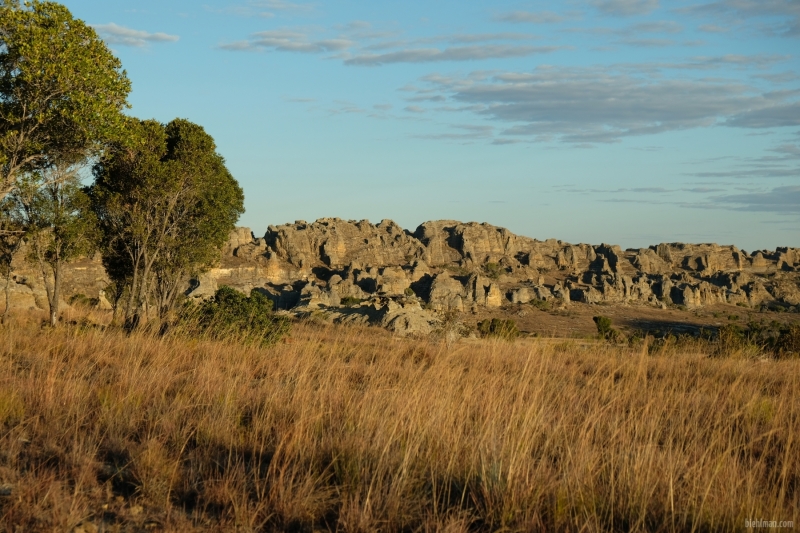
[
  {"x": 49, "y": 289},
  {"x": 8, "y": 299},
  {"x": 56, "y": 293},
  {"x": 132, "y": 296}
]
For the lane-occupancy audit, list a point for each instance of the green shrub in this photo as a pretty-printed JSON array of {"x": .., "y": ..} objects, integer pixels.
[
  {"x": 350, "y": 301},
  {"x": 730, "y": 339},
  {"x": 493, "y": 270},
  {"x": 788, "y": 343},
  {"x": 409, "y": 292},
  {"x": 605, "y": 331},
  {"x": 458, "y": 270},
  {"x": 544, "y": 305},
  {"x": 497, "y": 327},
  {"x": 603, "y": 324},
  {"x": 733, "y": 317},
  {"x": 232, "y": 315}
]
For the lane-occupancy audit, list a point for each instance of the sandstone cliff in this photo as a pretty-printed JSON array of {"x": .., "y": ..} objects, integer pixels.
[
  {"x": 448, "y": 265},
  {"x": 381, "y": 273}
]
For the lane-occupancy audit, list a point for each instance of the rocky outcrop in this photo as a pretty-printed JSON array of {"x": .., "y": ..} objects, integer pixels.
[
  {"x": 336, "y": 243},
  {"x": 455, "y": 266},
  {"x": 356, "y": 271}
]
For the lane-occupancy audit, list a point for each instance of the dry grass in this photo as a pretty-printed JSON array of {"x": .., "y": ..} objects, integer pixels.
[{"x": 347, "y": 429}]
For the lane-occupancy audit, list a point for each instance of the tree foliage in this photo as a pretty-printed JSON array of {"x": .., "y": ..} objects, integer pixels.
[
  {"x": 59, "y": 224},
  {"x": 166, "y": 205},
  {"x": 61, "y": 89}
]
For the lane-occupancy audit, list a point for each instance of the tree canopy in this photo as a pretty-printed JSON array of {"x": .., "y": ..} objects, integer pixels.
[
  {"x": 166, "y": 204},
  {"x": 59, "y": 224},
  {"x": 61, "y": 89}
]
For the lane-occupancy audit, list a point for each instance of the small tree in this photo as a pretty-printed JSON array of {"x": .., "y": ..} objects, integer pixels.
[
  {"x": 166, "y": 204},
  {"x": 61, "y": 89},
  {"x": 59, "y": 224}
]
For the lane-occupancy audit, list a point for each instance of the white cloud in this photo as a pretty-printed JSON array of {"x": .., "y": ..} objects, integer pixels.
[
  {"x": 115, "y": 34},
  {"x": 532, "y": 17},
  {"x": 359, "y": 45},
  {"x": 759, "y": 13},
  {"x": 599, "y": 104},
  {"x": 288, "y": 41},
  {"x": 778, "y": 200},
  {"x": 625, "y": 8},
  {"x": 458, "y": 53}
]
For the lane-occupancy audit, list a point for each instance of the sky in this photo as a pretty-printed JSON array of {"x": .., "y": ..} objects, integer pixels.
[{"x": 629, "y": 122}]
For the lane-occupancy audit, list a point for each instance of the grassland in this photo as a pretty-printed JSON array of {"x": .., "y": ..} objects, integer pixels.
[{"x": 346, "y": 429}]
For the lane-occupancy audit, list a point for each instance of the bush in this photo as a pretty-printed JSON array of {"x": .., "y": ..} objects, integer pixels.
[
  {"x": 231, "y": 314},
  {"x": 452, "y": 327},
  {"x": 493, "y": 270},
  {"x": 788, "y": 343},
  {"x": 543, "y": 305},
  {"x": 731, "y": 339},
  {"x": 350, "y": 301},
  {"x": 409, "y": 292},
  {"x": 497, "y": 327},
  {"x": 605, "y": 331}
]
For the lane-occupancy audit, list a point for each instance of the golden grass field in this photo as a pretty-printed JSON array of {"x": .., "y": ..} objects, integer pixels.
[{"x": 348, "y": 429}]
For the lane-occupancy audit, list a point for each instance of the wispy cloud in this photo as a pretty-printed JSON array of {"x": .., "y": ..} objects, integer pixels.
[
  {"x": 625, "y": 8},
  {"x": 713, "y": 28},
  {"x": 288, "y": 41},
  {"x": 115, "y": 34},
  {"x": 781, "y": 161},
  {"x": 596, "y": 105},
  {"x": 465, "y": 133},
  {"x": 760, "y": 14},
  {"x": 778, "y": 200},
  {"x": 777, "y": 115},
  {"x": 265, "y": 8},
  {"x": 532, "y": 17},
  {"x": 458, "y": 53},
  {"x": 357, "y": 44}
]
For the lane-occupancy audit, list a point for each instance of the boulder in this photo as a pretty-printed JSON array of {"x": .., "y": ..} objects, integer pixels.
[{"x": 447, "y": 293}]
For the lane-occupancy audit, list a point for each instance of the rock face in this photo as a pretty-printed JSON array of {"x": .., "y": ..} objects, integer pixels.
[
  {"x": 452, "y": 265},
  {"x": 383, "y": 274}
]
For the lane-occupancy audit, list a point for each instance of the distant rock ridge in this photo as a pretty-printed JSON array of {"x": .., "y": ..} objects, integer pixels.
[
  {"x": 381, "y": 273},
  {"x": 449, "y": 265}
]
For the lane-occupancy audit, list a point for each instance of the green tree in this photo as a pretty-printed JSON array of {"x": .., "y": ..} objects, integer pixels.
[
  {"x": 59, "y": 224},
  {"x": 166, "y": 205},
  {"x": 61, "y": 89}
]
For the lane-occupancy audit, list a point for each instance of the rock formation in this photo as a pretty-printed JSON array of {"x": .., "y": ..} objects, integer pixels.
[{"x": 382, "y": 274}]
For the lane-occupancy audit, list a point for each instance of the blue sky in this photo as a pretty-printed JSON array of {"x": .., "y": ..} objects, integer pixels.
[{"x": 625, "y": 121}]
